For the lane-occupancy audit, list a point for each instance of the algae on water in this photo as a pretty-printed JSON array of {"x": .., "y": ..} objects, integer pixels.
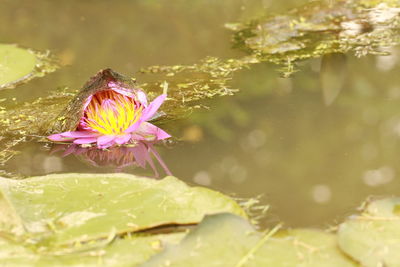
[
  {"x": 186, "y": 85},
  {"x": 320, "y": 28}
]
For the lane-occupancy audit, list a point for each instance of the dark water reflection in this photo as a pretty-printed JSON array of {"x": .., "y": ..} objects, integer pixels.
[{"x": 314, "y": 145}]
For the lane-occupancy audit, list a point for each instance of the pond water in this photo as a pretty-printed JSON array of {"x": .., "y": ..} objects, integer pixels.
[{"x": 277, "y": 138}]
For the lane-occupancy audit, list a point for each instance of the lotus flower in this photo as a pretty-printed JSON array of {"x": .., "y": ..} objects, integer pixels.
[{"x": 115, "y": 116}]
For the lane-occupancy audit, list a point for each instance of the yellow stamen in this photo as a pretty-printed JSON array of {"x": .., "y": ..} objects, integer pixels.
[{"x": 111, "y": 113}]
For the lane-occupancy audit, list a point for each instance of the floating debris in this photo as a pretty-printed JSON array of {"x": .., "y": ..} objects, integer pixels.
[{"x": 320, "y": 28}]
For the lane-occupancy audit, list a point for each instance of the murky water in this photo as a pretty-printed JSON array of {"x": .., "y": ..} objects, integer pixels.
[{"x": 312, "y": 162}]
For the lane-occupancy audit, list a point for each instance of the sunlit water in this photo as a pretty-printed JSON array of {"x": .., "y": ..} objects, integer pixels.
[{"x": 313, "y": 163}]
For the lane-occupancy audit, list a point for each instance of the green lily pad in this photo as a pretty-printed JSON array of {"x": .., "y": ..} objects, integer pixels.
[
  {"x": 72, "y": 208},
  {"x": 13, "y": 254},
  {"x": 18, "y": 65},
  {"x": 229, "y": 240},
  {"x": 373, "y": 238},
  {"x": 129, "y": 251}
]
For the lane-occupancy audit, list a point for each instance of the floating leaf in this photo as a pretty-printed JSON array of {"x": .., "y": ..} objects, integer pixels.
[
  {"x": 13, "y": 254},
  {"x": 19, "y": 65},
  {"x": 228, "y": 240},
  {"x": 373, "y": 238},
  {"x": 69, "y": 208},
  {"x": 320, "y": 28},
  {"x": 129, "y": 251}
]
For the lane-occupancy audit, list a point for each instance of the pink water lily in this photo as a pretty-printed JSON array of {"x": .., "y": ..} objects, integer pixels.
[{"x": 115, "y": 117}]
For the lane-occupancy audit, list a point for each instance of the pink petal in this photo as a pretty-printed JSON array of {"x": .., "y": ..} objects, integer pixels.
[
  {"x": 56, "y": 148},
  {"x": 70, "y": 150},
  {"x": 58, "y": 138},
  {"x": 141, "y": 96},
  {"x": 139, "y": 152},
  {"x": 150, "y": 129},
  {"x": 87, "y": 102},
  {"x": 133, "y": 127},
  {"x": 120, "y": 140},
  {"x": 138, "y": 137},
  {"x": 105, "y": 141},
  {"x": 142, "y": 156},
  {"x": 161, "y": 134},
  {"x": 119, "y": 89},
  {"x": 106, "y": 145},
  {"x": 149, "y": 160},
  {"x": 160, "y": 161},
  {"x": 79, "y": 134},
  {"x": 81, "y": 141},
  {"x": 149, "y": 112}
]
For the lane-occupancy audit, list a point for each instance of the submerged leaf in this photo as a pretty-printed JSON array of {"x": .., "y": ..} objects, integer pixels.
[
  {"x": 373, "y": 238},
  {"x": 332, "y": 76},
  {"x": 18, "y": 65},
  {"x": 228, "y": 240},
  {"x": 67, "y": 208}
]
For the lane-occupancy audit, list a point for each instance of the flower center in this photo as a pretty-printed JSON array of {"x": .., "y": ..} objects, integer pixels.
[{"x": 111, "y": 113}]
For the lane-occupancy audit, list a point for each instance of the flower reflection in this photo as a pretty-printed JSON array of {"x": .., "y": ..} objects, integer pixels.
[{"x": 140, "y": 154}]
